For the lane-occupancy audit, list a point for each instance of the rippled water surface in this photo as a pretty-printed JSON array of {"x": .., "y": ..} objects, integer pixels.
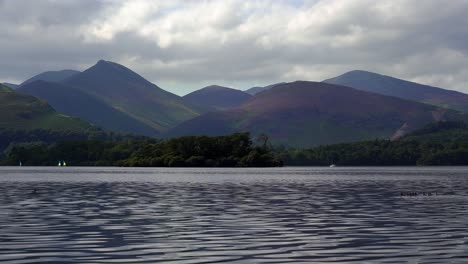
[{"x": 286, "y": 215}]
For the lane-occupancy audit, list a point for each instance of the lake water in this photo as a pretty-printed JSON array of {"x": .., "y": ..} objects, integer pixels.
[{"x": 280, "y": 215}]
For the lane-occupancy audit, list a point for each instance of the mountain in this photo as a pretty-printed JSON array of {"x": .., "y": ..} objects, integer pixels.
[
  {"x": 131, "y": 94},
  {"x": 257, "y": 89},
  {"x": 21, "y": 111},
  {"x": 305, "y": 114},
  {"x": 10, "y": 85},
  {"x": 217, "y": 97},
  {"x": 386, "y": 85},
  {"x": 51, "y": 76},
  {"x": 74, "y": 102}
]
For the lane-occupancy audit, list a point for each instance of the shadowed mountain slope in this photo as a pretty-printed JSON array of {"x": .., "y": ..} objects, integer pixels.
[
  {"x": 75, "y": 102},
  {"x": 312, "y": 113},
  {"x": 21, "y": 111},
  {"x": 386, "y": 85},
  {"x": 217, "y": 97}
]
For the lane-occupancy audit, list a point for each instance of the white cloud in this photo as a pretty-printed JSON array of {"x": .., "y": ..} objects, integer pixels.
[{"x": 119, "y": 17}]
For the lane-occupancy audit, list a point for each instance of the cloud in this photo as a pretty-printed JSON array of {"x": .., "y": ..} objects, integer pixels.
[{"x": 183, "y": 45}]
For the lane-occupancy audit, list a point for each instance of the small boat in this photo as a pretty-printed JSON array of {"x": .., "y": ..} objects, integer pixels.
[
  {"x": 20, "y": 163},
  {"x": 332, "y": 166},
  {"x": 61, "y": 163}
]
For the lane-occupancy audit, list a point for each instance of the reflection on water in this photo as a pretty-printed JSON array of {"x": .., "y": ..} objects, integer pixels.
[{"x": 286, "y": 215}]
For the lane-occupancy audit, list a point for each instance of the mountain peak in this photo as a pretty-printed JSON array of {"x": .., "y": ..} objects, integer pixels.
[
  {"x": 107, "y": 72},
  {"x": 133, "y": 95},
  {"x": 215, "y": 87},
  {"x": 360, "y": 71},
  {"x": 103, "y": 64},
  {"x": 101, "y": 61},
  {"x": 106, "y": 63}
]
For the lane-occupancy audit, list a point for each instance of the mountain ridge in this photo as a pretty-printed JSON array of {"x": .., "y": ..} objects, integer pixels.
[
  {"x": 391, "y": 86},
  {"x": 257, "y": 89},
  {"x": 51, "y": 76},
  {"x": 11, "y": 85},
  {"x": 217, "y": 97}
]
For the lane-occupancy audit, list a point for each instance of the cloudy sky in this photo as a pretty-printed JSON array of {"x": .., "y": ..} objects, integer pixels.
[{"x": 185, "y": 45}]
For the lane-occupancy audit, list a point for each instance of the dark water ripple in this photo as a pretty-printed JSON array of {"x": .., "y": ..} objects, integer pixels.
[{"x": 289, "y": 215}]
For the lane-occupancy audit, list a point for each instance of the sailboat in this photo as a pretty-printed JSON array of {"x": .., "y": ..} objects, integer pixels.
[{"x": 20, "y": 163}]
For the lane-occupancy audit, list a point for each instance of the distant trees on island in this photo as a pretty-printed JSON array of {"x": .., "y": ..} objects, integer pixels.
[
  {"x": 443, "y": 143},
  {"x": 235, "y": 150}
]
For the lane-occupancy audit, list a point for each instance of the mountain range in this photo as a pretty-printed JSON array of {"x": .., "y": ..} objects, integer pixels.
[
  {"x": 313, "y": 113},
  {"x": 354, "y": 106},
  {"x": 113, "y": 97},
  {"x": 387, "y": 85}
]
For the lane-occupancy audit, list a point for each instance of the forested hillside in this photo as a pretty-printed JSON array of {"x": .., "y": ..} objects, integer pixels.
[{"x": 444, "y": 143}]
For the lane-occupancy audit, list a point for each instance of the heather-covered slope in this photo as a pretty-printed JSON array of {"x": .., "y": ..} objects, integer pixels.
[
  {"x": 132, "y": 95},
  {"x": 51, "y": 76},
  {"x": 311, "y": 113},
  {"x": 217, "y": 97},
  {"x": 386, "y": 85},
  {"x": 21, "y": 111},
  {"x": 74, "y": 102}
]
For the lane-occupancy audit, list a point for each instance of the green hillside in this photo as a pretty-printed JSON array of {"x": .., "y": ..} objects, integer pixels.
[
  {"x": 74, "y": 102},
  {"x": 20, "y": 111},
  {"x": 442, "y": 143}
]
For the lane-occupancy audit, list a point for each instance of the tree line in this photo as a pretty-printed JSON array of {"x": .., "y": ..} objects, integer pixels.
[
  {"x": 444, "y": 143},
  {"x": 235, "y": 150}
]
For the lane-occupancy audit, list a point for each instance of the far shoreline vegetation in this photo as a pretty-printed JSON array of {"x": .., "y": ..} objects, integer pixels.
[
  {"x": 236, "y": 150},
  {"x": 439, "y": 144}
]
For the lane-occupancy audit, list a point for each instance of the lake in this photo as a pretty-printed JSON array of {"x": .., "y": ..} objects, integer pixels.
[{"x": 277, "y": 215}]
